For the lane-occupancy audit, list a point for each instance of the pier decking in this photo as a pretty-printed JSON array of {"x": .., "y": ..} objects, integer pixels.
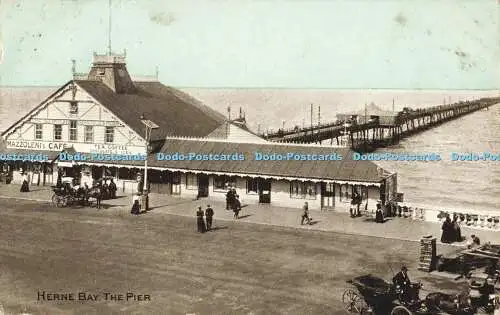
[{"x": 375, "y": 130}]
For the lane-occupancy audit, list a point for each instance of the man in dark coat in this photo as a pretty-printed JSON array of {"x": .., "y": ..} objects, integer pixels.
[
  {"x": 209, "y": 214},
  {"x": 199, "y": 220},
  {"x": 403, "y": 283},
  {"x": 355, "y": 202},
  {"x": 229, "y": 199}
]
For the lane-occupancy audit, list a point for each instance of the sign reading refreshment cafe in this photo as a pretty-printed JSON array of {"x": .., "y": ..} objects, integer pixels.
[{"x": 99, "y": 148}]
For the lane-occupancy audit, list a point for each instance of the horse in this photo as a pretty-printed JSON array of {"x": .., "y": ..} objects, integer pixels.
[
  {"x": 96, "y": 193},
  {"x": 458, "y": 304}
]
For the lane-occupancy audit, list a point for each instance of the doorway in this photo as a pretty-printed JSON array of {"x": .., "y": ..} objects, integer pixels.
[
  {"x": 202, "y": 185},
  {"x": 264, "y": 190},
  {"x": 328, "y": 195}
]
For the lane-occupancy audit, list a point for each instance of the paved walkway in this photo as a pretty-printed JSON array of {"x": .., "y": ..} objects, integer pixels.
[{"x": 393, "y": 228}]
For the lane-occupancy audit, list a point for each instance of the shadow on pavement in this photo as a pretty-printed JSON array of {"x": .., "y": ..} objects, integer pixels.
[
  {"x": 218, "y": 228},
  {"x": 244, "y": 216}
]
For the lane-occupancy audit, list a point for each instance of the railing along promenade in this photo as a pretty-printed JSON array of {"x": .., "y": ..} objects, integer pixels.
[{"x": 380, "y": 131}]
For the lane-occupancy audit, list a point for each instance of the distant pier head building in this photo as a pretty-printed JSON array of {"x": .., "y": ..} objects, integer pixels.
[{"x": 100, "y": 113}]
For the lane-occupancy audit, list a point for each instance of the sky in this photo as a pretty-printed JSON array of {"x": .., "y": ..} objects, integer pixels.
[{"x": 352, "y": 44}]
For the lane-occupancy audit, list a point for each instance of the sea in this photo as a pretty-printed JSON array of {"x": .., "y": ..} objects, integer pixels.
[{"x": 449, "y": 185}]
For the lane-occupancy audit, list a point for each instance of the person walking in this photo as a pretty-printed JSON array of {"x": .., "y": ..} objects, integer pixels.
[
  {"x": 305, "y": 214},
  {"x": 209, "y": 214},
  {"x": 199, "y": 220},
  {"x": 25, "y": 186}
]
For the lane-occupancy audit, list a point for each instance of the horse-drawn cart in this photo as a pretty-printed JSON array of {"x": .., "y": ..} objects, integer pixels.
[
  {"x": 67, "y": 196},
  {"x": 372, "y": 295}
]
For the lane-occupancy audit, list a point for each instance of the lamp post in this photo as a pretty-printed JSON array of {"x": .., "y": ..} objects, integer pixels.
[{"x": 149, "y": 128}]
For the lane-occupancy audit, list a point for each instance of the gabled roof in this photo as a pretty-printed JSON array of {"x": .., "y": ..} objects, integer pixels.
[{"x": 176, "y": 113}]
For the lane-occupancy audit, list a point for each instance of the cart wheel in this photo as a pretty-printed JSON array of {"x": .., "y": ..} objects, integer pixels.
[
  {"x": 354, "y": 302},
  {"x": 400, "y": 310},
  {"x": 59, "y": 201}
]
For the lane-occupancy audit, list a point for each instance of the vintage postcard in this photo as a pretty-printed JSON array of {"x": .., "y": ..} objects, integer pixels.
[{"x": 249, "y": 157}]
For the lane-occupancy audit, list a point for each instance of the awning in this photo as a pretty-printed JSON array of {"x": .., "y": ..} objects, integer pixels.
[{"x": 302, "y": 179}]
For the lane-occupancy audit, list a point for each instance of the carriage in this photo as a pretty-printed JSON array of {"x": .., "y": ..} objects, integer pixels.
[
  {"x": 372, "y": 295},
  {"x": 67, "y": 196}
]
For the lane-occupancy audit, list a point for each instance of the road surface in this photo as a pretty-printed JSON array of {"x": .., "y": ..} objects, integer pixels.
[{"x": 166, "y": 267}]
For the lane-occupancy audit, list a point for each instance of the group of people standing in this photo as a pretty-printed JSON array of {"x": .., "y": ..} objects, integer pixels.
[
  {"x": 451, "y": 231},
  {"x": 209, "y": 215}
]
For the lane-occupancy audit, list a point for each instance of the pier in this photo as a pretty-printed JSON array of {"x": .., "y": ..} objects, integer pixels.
[{"x": 369, "y": 130}]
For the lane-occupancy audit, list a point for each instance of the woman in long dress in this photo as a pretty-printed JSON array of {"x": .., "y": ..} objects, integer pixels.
[
  {"x": 447, "y": 228},
  {"x": 379, "y": 215},
  {"x": 25, "y": 185}
]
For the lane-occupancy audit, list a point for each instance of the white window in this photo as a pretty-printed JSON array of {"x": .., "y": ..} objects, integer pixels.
[
  {"x": 303, "y": 190},
  {"x": 58, "y": 132},
  {"x": 109, "y": 134},
  {"x": 73, "y": 130},
  {"x": 89, "y": 134},
  {"x": 223, "y": 181},
  {"x": 252, "y": 186},
  {"x": 191, "y": 181},
  {"x": 345, "y": 192},
  {"x": 38, "y": 131}
]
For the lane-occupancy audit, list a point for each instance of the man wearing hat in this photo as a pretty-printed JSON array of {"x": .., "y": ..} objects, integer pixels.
[
  {"x": 402, "y": 282},
  {"x": 209, "y": 214}
]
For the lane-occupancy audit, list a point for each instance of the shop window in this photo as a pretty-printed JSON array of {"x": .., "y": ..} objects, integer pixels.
[
  {"x": 191, "y": 181},
  {"x": 38, "y": 131},
  {"x": 127, "y": 174},
  {"x": 222, "y": 182},
  {"x": 73, "y": 130},
  {"x": 176, "y": 178},
  {"x": 109, "y": 135},
  {"x": 73, "y": 107},
  {"x": 252, "y": 185},
  {"x": 346, "y": 192},
  {"x": 89, "y": 134},
  {"x": 58, "y": 132},
  {"x": 303, "y": 190}
]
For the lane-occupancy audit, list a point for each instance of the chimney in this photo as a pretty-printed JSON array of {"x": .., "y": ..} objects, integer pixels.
[{"x": 111, "y": 70}]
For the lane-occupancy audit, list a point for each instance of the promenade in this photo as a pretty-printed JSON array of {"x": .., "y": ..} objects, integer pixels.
[{"x": 160, "y": 205}]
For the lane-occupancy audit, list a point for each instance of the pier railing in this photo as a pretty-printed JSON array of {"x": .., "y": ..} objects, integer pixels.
[
  {"x": 469, "y": 218},
  {"x": 378, "y": 131}
]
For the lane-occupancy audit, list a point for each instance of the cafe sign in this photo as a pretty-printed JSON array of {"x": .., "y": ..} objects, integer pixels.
[
  {"x": 114, "y": 149},
  {"x": 37, "y": 145},
  {"x": 78, "y": 147}
]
